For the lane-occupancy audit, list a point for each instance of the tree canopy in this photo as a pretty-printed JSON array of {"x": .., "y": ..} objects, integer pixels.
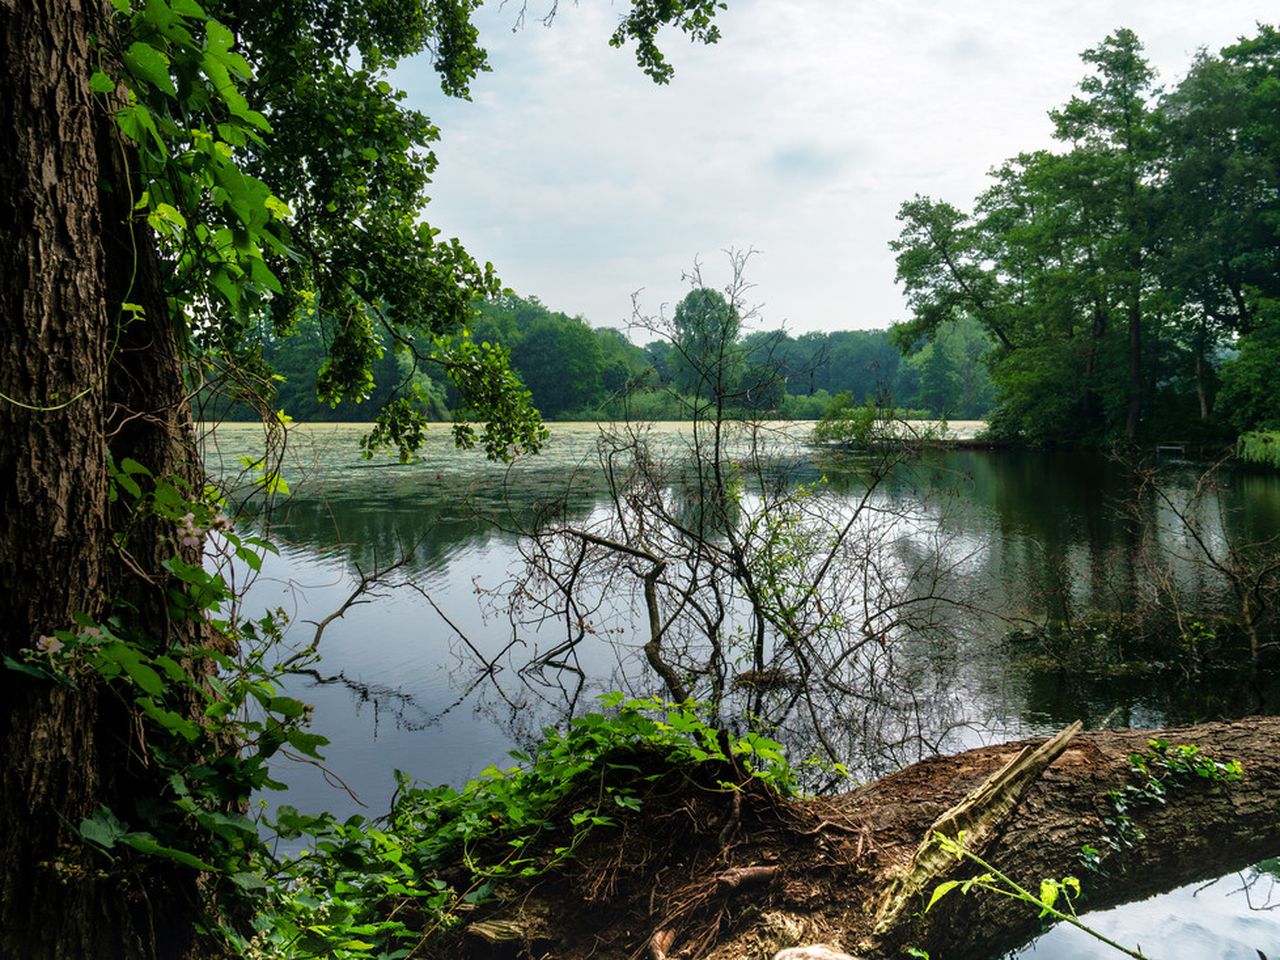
[
  {"x": 286, "y": 180},
  {"x": 1118, "y": 274}
]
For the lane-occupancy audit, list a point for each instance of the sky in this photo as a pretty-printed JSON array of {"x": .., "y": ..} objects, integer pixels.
[{"x": 797, "y": 136}]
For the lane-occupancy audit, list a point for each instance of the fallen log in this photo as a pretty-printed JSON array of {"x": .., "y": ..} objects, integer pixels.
[
  {"x": 1205, "y": 827},
  {"x": 855, "y": 871}
]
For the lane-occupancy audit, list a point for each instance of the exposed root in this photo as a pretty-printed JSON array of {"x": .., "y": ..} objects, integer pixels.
[
  {"x": 660, "y": 943},
  {"x": 738, "y": 876}
]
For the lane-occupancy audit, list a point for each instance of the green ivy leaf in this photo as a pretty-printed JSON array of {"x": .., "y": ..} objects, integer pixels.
[
  {"x": 127, "y": 465},
  {"x": 247, "y": 881},
  {"x": 306, "y": 743},
  {"x": 103, "y": 828},
  {"x": 173, "y": 670},
  {"x": 1048, "y": 895},
  {"x": 146, "y": 843},
  {"x": 132, "y": 662},
  {"x": 129, "y": 485},
  {"x": 940, "y": 891},
  {"x": 169, "y": 720},
  {"x": 20, "y": 667},
  {"x": 147, "y": 63},
  {"x": 252, "y": 558},
  {"x": 287, "y": 707},
  {"x": 261, "y": 274}
]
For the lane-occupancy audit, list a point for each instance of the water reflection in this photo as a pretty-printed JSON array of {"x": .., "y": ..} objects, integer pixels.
[
  {"x": 1029, "y": 537},
  {"x": 444, "y": 692},
  {"x": 1232, "y": 918}
]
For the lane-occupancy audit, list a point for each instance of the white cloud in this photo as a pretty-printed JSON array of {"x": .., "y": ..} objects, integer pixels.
[{"x": 799, "y": 135}]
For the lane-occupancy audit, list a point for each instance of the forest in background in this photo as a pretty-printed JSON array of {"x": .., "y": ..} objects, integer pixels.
[
  {"x": 1125, "y": 285},
  {"x": 578, "y": 372}
]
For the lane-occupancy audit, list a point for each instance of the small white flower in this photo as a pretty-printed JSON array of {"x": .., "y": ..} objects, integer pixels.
[{"x": 49, "y": 644}]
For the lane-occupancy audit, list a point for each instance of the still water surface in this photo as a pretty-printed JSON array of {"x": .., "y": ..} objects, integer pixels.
[{"x": 402, "y": 687}]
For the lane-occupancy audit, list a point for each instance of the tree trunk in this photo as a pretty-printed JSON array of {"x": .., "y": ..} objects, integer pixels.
[
  {"x": 1202, "y": 394},
  {"x": 74, "y": 385},
  {"x": 1097, "y": 329},
  {"x": 1133, "y": 416},
  {"x": 722, "y": 875}
]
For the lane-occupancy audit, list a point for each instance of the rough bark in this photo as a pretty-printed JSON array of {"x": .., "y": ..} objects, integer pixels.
[
  {"x": 74, "y": 385},
  {"x": 973, "y": 820},
  {"x": 824, "y": 866},
  {"x": 1202, "y": 393},
  {"x": 1206, "y": 829}
]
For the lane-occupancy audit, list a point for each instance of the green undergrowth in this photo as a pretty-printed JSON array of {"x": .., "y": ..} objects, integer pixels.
[
  {"x": 870, "y": 424},
  {"x": 211, "y": 719},
  {"x": 379, "y": 888}
]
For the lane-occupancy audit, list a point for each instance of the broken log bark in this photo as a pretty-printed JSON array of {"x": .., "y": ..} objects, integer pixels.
[
  {"x": 1204, "y": 829},
  {"x": 975, "y": 818},
  {"x": 826, "y": 868}
]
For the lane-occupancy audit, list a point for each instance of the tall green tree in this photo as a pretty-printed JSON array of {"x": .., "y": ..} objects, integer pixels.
[
  {"x": 1118, "y": 273},
  {"x": 560, "y": 360},
  {"x": 1024, "y": 268},
  {"x": 1250, "y": 394},
  {"x": 1221, "y": 203},
  {"x": 1113, "y": 130},
  {"x": 953, "y": 380},
  {"x": 1056, "y": 261},
  {"x": 707, "y": 359},
  {"x": 567, "y": 366}
]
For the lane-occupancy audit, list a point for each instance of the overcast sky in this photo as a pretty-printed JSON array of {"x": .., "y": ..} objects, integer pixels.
[{"x": 799, "y": 135}]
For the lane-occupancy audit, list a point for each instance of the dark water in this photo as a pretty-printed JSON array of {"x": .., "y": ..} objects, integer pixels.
[{"x": 1038, "y": 536}]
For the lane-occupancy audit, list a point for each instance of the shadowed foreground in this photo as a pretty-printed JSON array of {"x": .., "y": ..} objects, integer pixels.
[{"x": 705, "y": 871}]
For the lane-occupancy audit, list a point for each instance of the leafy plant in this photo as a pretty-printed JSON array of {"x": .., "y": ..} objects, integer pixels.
[
  {"x": 1162, "y": 769},
  {"x": 1055, "y": 901},
  {"x": 849, "y": 425},
  {"x": 368, "y": 889},
  {"x": 209, "y": 719}
]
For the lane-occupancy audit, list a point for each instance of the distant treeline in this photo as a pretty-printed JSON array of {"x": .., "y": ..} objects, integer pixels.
[{"x": 579, "y": 372}]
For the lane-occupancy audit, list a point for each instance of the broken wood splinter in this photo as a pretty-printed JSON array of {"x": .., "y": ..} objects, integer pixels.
[{"x": 977, "y": 816}]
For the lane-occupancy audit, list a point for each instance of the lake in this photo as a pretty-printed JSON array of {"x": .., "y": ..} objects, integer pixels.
[{"x": 427, "y": 674}]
